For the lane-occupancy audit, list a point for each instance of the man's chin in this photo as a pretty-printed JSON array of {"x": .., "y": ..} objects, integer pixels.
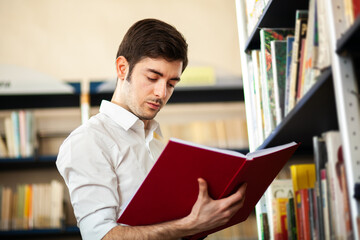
[{"x": 148, "y": 116}]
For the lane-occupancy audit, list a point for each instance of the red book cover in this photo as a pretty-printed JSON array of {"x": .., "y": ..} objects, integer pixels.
[
  {"x": 171, "y": 187},
  {"x": 356, "y": 8},
  {"x": 303, "y": 213}
]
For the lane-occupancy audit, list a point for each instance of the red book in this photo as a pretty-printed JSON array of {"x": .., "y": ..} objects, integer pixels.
[
  {"x": 303, "y": 209},
  {"x": 356, "y": 8},
  {"x": 171, "y": 187}
]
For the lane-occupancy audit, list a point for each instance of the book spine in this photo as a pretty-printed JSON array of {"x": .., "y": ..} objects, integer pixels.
[
  {"x": 325, "y": 204},
  {"x": 320, "y": 159},
  {"x": 16, "y": 133},
  {"x": 22, "y": 133},
  {"x": 291, "y": 220}
]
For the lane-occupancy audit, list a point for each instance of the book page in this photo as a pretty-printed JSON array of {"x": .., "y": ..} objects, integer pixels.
[
  {"x": 224, "y": 151},
  {"x": 266, "y": 151}
]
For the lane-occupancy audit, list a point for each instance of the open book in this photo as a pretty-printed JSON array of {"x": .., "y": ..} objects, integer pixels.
[{"x": 171, "y": 187}]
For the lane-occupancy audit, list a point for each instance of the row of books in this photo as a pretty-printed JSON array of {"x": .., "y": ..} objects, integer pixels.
[
  {"x": 32, "y": 206},
  {"x": 313, "y": 204},
  {"x": 255, "y": 8},
  {"x": 287, "y": 65},
  {"x": 227, "y": 133},
  {"x": 20, "y": 135}
]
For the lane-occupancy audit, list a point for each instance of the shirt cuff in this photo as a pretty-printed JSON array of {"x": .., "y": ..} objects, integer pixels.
[{"x": 96, "y": 225}]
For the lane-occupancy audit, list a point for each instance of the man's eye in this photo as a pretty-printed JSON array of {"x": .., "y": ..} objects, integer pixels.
[{"x": 151, "y": 79}]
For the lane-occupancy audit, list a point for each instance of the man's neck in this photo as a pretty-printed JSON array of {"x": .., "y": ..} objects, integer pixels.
[{"x": 146, "y": 124}]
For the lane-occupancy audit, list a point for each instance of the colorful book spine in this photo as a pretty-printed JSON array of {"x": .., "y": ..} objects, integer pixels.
[
  {"x": 278, "y": 49},
  {"x": 266, "y": 36},
  {"x": 325, "y": 204},
  {"x": 16, "y": 134},
  {"x": 303, "y": 177},
  {"x": 289, "y": 50},
  {"x": 300, "y": 33},
  {"x": 291, "y": 219},
  {"x": 333, "y": 144},
  {"x": 320, "y": 158}
]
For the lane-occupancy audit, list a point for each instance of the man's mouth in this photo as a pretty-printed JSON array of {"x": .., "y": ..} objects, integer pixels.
[{"x": 155, "y": 106}]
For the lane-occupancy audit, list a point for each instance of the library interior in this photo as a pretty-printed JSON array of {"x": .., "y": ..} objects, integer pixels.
[{"x": 270, "y": 96}]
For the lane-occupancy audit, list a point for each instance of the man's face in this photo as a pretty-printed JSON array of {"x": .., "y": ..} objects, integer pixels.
[{"x": 150, "y": 86}]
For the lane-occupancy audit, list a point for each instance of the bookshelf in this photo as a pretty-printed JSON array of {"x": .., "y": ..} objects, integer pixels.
[
  {"x": 333, "y": 101},
  {"x": 316, "y": 111},
  {"x": 181, "y": 95},
  {"x": 66, "y": 233},
  {"x": 45, "y": 164},
  {"x": 274, "y": 14}
]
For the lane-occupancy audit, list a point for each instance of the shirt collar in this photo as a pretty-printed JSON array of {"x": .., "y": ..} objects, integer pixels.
[{"x": 125, "y": 118}]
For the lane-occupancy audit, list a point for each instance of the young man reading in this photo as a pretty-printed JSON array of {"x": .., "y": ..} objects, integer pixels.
[{"x": 104, "y": 161}]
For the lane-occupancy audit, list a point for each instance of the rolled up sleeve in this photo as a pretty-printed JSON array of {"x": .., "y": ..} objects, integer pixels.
[{"x": 92, "y": 183}]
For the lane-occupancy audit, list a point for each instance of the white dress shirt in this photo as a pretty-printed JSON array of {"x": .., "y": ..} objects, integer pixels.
[{"x": 103, "y": 163}]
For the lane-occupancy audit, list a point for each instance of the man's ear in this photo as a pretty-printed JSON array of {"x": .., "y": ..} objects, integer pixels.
[{"x": 122, "y": 66}]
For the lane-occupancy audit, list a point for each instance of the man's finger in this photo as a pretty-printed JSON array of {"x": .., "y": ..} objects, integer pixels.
[{"x": 203, "y": 191}]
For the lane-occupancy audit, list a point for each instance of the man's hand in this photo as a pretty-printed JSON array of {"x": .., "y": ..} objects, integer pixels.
[{"x": 208, "y": 213}]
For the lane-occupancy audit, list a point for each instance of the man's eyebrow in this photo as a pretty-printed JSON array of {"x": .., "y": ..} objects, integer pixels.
[{"x": 161, "y": 74}]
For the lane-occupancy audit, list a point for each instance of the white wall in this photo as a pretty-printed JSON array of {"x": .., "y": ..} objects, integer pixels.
[{"x": 75, "y": 39}]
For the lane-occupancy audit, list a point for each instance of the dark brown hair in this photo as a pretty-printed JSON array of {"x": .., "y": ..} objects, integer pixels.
[{"x": 153, "y": 38}]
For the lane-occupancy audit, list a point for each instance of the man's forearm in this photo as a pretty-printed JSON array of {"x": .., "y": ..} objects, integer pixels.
[{"x": 165, "y": 231}]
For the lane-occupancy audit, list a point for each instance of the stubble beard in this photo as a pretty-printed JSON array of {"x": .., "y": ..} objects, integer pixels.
[{"x": 140, "y": 110}]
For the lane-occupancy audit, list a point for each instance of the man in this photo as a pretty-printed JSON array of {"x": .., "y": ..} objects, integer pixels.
[{"x": 106, "y": 159}]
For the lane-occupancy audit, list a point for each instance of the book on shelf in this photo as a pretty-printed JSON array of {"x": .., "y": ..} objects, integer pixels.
[
  {"x": 278, "y": 57},
  {"x": 267, "y": 81},
  {"x": 277, "y": 197},
  {"x": 325, "y": 205},
  {"x": 323, "y": 59},
  {"x": 311, "y": 67},
  {"x": 20, "y": 134},
  {"x": 9, "y": 136},
  {"x": 301, "y": 71},
  {"x": 254, "y": 9},
  {"x": 355, "y": 8},
  {"x": 291, "y": 218},
  {"x": 279, "y": 218},
  {"x": 6, "y": 210},
  {"x": 16, "y": 133},
  {"x": 351, "y": 11},
  {"x": 303, "y": 177},
  {"x": 173, "y": 181},
  {"x": 255, "y": 55},
  {"x": 289, "y": 54},
  {"x": 32, "y": 206},
  {"x": 3, "y": 148},
  {"x": 299, "y": 35},
  {"x": 319, "y": 207},
  {"x": 303, "y": 209},
  {"x": 341, "y": 218},
  {"x": 320, "y": 159}
]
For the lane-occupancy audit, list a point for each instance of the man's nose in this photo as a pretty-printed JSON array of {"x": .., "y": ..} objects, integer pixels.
[{"x": 160, "y": 89}]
